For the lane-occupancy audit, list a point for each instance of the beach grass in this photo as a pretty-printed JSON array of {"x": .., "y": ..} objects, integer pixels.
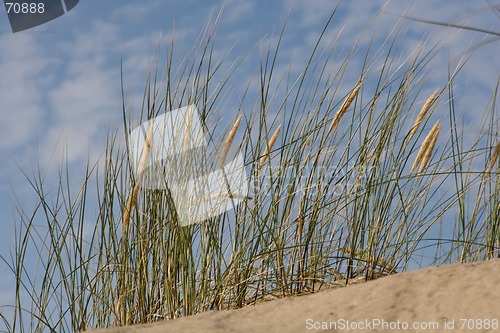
[{"x": 349, "y": 179}]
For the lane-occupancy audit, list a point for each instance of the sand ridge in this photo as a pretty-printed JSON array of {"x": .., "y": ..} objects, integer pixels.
[{"x": 451, "y": 298}]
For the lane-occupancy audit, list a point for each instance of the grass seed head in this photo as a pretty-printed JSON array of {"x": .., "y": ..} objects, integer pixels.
[
  {"x": 494, "y": 158},
  {"x": 426, "y": 148},
  {"x": 268, "y": 148},
  {"x": 423, "y": 112},
  {"x": 345, "y": 106},
  {"x": 229, "y": 141}
]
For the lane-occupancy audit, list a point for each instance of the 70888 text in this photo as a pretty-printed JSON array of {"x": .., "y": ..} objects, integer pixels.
[{"x": 25, "y": 7}]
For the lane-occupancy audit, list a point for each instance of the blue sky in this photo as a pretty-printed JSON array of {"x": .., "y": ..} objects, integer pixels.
[{"x": 60, "y": 82}]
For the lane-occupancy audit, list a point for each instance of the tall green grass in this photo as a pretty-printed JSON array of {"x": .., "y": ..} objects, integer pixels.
[{"x": 334, "y": 198}]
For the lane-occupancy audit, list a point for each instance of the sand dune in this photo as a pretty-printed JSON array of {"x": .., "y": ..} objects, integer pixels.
[{"x": 454, "y": 298}]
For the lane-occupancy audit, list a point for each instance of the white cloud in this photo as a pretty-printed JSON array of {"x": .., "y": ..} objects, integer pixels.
[
  {"x": 23, "y": 71},
  {"x": 235, "y": 10},
  {"x": 134, "y": 12},
  {"x": 86, "y": 99}
]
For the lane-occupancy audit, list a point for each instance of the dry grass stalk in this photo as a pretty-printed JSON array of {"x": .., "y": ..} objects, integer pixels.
[
  {"x": 268, "y": 148},
  {"x": 423, "y": 112},
  {"x": 494, "y": 158},
  {"x": 345, "y": 106},
  {"x": 121, "y": 315},
  {"x": 426, "y": 149},
  {"x": 187, "y": 137},
  {"x": 142, "y": 168},
  {"x": 229, "y": 141}
]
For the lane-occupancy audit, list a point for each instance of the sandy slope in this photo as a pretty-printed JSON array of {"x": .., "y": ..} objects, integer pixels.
[{"x": 456, "y": 295}]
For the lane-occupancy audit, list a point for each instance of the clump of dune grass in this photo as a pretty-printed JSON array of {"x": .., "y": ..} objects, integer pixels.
[{"x": 331, "y": 201}]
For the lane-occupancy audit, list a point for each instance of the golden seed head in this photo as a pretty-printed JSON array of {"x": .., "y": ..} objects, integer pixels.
[
  {"x": 423, "y": 112},
  {"x": 345, "y": 106},
  {"x": 426, "y": 148},
  {"x": 229, "y": 141},
  {"x": 494, "y": 158},
  {"x": 269, "y": 147},
  {"x": 432, "y": 142}
]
